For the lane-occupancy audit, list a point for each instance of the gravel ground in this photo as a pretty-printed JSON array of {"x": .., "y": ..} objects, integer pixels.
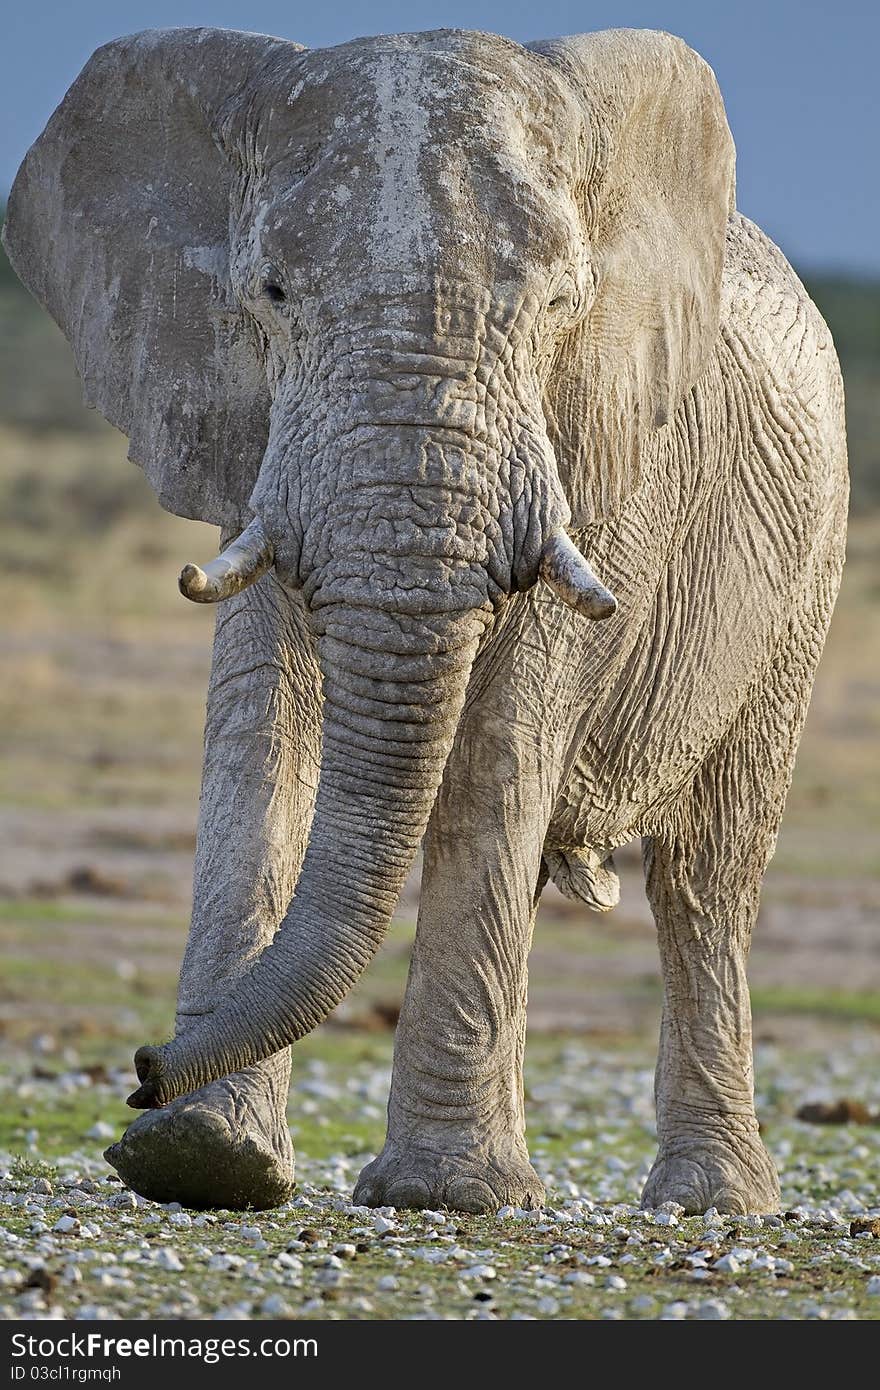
[{"x": 75, "y": 1244}]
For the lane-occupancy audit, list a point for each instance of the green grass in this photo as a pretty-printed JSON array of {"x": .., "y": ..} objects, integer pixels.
[{"x": 827, "y": 1003}]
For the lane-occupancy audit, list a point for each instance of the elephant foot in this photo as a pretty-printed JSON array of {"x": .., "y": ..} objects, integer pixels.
[
  {"x": 408, "y": 1177},
  {"x": 736, "y": 1176},
  {"x": 226, "y": 1145}
]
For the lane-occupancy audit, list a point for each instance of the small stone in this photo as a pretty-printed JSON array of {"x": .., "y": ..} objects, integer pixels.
[
  {"x": 181, "y": 1219},
  {"x": 616, "y": 1283},
  {"x": 548, "y": 1306},
  {"x": 674, "y": 1312},
  {"x": 42, "y": 1185},
  {"x": 168, "y": 1259},
  {"x": 873, "y": 1284},
  {"x": 387, "y": 1284},
  {"x": 275, "y": 1307},
  {"x": 67, "y": 1226},
  {"x": 840, "y": 1112},
  {"x": 479, "y": 1272},
  {"x": 101, "y": 1130},
  {"x": 728, "y": 1264},
  {"x": 712, "y": 1308},
  {"x": 673, "y": 1208},
  {"x": 382, "y": 1225},
  {"x": 123, "y": 1201},
  {"x": 41, "y": 1278},
  {"x": 865, "y": 1226}
]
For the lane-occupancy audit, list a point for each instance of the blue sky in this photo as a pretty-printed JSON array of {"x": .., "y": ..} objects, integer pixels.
[{"x": 799, "y": 77}]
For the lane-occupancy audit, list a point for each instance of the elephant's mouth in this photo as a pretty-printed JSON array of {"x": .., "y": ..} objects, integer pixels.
[{"x": 248, "y": 557}]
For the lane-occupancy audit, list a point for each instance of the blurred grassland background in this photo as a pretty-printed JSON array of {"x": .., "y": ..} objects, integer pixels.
[{"x": 101, "y": 712}]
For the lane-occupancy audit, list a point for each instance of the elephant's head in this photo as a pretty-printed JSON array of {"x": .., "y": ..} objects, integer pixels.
[{"x": 409, "y": 307}]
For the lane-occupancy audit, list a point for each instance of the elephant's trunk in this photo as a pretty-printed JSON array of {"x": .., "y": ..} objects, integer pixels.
[{"x": 394, "y": 687}]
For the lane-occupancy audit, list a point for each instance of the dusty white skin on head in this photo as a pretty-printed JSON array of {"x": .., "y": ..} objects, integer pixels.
[{"x": 400, "y": 316}]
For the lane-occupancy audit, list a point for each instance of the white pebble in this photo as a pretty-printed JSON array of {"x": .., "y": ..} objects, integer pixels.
[
  {"x": 479, "y": 1272},
  {"x": 712, "y": 1308},
  {"x": 674, "y": 1312},
  {"x": 166, "y": 1258},
  {"x": 275, "y": 1307},
  {"x": 382, "y": 1225},
  {"x": 123, "y": 1201},
  {"x": 101, "y": 1130},
  {"x": 67, "y": 1226},
  {"x": 873, "y": 1284},
  {"x": 728, "y": 1264},
  {"x": 387, "y": 1284}
]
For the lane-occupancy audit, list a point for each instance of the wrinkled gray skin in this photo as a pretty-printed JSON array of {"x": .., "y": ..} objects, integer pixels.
[{"x": 415, "y": 303}]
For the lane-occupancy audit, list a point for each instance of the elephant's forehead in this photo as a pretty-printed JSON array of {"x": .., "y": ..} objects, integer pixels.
[{"x": 403, "y": 139}]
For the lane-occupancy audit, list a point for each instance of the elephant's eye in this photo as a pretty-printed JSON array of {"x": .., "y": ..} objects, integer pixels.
[
  {"x": 273, "y": 291},
  {"x": 566, "y": 297}
]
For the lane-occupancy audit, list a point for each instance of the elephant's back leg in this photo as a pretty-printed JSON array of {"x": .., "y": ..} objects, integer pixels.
[
  {"x": 228, "y": 1144},
  {"x": 704, "y": 868}
]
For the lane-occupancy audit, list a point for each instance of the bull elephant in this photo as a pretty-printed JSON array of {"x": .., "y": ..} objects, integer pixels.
[{"x": 420, "y": 322}]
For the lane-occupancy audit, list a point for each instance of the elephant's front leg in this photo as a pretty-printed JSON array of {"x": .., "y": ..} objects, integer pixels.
[
  {"x": 456, "y": 1124},
  {"x": 228, "y": 1144}
]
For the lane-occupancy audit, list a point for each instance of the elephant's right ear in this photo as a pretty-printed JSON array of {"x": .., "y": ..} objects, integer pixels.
[{"x": 119, "y": 223}]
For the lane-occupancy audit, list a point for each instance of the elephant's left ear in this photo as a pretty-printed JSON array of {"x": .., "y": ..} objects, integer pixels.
[{"x": 657, "y": 197}]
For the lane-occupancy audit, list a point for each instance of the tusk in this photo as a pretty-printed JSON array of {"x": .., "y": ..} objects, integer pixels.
[
  {"x": 564, "y": 568},
  {"x": 241, "y": 564}
]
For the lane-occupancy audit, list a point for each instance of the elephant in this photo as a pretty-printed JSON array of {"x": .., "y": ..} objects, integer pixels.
[{"x": 421, "y": 322}]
